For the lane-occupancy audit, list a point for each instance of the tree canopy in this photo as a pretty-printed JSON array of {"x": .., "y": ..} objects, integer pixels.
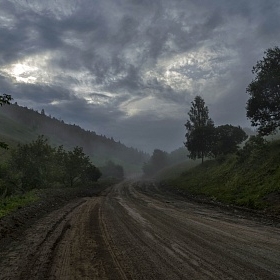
[
  {"x": 263, "y": 106},
  {"x": 227, "y": 138}
]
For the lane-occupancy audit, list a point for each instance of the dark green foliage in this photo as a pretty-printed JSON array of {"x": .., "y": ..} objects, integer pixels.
[
  {"x": 263, "y": 106},
  {"x": 4, "y": 145},
  {"x": 39, "y": 165},
  {"x": 112, "y": 170},
  {"x": 12, "y": 203},
  {"x": 252, "y": 182},
  {"x": 5, "y": 99},
  {"x": 92, "y": 174},
  {"x": 78, "y": 168},
  {"x": 254, "y": 148},
  {"x": 6, "y": 188},
  {"x": 33, "y": 161},
  {"x": 158, "y": 160},
  {"x": 200, "y": 130},
  {"x": 227, "y": 138}
]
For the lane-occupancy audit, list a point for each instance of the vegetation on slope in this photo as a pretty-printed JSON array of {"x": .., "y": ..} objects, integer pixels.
[
  {"x": 12, "y": 203},
  {"x": 250, "y": 178}
]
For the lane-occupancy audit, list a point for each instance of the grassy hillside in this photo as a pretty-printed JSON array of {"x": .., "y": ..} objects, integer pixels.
[
  {"x": 21, "y": 125},
  {"x": 251, "y": 180},
  {"x": 174, "y": 171}
]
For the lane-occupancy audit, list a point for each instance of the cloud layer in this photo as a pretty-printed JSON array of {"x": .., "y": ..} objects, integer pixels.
[{"x": 129, "y": 69}]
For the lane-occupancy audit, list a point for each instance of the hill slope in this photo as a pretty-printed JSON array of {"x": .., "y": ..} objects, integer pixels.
[
  {"x": 250, "y": 180},
  {"x": 20, "y": 125}
]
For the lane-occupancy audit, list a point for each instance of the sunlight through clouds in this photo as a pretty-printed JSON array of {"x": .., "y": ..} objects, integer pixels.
[
  {"x": 32, "y": 69},
  {"x": 148, "y": 105}
]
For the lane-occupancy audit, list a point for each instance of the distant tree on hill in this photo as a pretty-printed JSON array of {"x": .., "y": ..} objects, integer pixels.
[
  {"x": 91, "y": 174},
  {"x": 112, "y": 170},
  {"x": 200, "y": 130},
  {"x": 263, "y": 106},
  {"x": 177, "y": 156},
  {"x": 5, "y": 99},
  {"x": 158, "y": 160}
]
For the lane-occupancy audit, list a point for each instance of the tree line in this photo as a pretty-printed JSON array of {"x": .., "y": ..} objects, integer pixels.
[{"x": 39, "y": 165}]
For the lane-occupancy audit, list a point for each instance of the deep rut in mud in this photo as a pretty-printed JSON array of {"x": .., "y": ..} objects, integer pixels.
[{"x": 135, "y": 231}]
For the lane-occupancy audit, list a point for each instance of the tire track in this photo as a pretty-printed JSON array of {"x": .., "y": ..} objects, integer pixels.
[
  {"x": 30, "y": 259},
  {"x": 109, "y": 244}
]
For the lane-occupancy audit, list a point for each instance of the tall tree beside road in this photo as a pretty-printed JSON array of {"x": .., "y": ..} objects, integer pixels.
[
  {"x": 263, "y": 106},
  {"x": 200, "y": 130}
]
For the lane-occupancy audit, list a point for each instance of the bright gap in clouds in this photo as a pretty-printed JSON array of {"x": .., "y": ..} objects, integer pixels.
[
  {"x": 194, "y": 71},
  {"x": 30, "y": 70},
  {"x": 152, "y": 106},
  {"x": 23, "y": 73}
]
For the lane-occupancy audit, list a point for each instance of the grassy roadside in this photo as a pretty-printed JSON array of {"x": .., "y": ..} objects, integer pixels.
[
  {"x": 12, "y": 203},
  {"x": 252, "y": 181}
]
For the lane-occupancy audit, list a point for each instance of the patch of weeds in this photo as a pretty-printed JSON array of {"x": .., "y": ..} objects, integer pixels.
[{"x": 12, "y": 203}]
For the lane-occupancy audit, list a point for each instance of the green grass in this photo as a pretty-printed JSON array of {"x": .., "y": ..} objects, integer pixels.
[
  {"x": 10, "y": 204},
  {"x": 230, "y": 181}
]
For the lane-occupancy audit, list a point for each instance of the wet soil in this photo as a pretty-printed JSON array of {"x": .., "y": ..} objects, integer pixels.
[{"x": 136, "y": 230}]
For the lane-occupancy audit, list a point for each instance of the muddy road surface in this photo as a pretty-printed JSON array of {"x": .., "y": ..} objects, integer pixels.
[{"x": 135, "y": 231}]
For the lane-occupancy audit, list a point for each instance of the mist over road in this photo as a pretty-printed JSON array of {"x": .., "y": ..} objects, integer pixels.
[{"x": 135, "y": 231}]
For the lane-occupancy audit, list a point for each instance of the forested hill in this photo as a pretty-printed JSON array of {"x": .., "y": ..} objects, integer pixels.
[{"x": 20, "y": 124}]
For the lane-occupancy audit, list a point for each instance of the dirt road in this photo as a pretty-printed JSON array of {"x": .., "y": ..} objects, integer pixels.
[{"x": 135, "y": 231}]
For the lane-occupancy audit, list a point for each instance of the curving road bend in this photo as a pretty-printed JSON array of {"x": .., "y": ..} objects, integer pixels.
[{"x": 135, "y": 231}]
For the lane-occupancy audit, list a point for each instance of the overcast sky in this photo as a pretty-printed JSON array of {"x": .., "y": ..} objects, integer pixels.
[{"x": 130, "y": 68}]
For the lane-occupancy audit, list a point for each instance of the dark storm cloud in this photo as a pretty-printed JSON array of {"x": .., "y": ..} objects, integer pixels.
[
  {"x": 41, "y": 95},
  {"x": 98, "y": 63}
]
